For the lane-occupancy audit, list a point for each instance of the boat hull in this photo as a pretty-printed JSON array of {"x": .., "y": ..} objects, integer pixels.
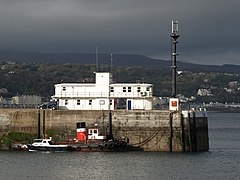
[{"x": 50, "y": 148}]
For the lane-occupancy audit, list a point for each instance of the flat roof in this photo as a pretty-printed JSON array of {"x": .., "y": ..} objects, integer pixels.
[
  {"x": 93, "y": 84},
  {"x": 75, "y": 84}
]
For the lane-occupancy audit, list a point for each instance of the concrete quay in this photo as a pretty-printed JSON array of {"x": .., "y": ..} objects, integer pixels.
[{"x": 147, "y": 130}]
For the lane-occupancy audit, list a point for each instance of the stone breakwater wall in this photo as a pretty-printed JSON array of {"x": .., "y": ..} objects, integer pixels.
[{"x": 153, "y": 130}]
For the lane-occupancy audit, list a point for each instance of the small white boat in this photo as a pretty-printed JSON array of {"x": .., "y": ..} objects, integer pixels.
[{"x": 48, "y": 145}]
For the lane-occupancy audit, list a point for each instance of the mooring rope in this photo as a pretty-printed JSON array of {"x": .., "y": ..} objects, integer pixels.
[{"x": 148, "y": 139}]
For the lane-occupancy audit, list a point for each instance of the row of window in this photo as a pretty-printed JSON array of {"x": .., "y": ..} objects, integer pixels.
[
  {"x": 89, "y": 102},
  {"x": 129, "y": 89},
  {"x": 125, "y": 89}
]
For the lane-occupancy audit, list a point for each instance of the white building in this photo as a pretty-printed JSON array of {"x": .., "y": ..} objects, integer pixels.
[
  {"x": 204, "y": 92},
  {"x": 83, "y": 96}
]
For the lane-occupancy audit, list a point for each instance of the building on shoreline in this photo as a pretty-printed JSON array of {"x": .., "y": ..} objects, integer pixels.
[{"x": 104, "y": 95}]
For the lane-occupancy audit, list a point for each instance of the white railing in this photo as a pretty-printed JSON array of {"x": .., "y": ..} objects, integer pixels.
[{"x": 103, "y": 94}]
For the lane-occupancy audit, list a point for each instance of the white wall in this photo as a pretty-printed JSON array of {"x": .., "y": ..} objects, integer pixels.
[{"x": 139, "y": 94}]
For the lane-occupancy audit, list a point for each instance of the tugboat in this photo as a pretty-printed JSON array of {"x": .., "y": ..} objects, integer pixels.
[{"x": 93, "y": 139}]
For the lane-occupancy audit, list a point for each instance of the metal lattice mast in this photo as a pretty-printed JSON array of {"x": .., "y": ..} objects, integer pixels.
[{"x": 174, "y": 36}]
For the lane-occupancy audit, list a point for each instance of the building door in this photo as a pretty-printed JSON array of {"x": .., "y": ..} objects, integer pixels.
[
  {"x": 121, "y": 103},
  {"x": 129, "y": 105}
]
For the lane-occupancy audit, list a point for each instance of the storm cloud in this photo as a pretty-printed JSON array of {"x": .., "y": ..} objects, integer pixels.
[{"x": 208, "y": 28}]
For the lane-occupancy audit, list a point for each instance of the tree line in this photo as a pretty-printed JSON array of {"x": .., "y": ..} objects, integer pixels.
[{"x": 39, "y": 79}]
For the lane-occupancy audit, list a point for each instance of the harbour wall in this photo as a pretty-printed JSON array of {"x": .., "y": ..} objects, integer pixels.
[{"x": 153, "y": 130}]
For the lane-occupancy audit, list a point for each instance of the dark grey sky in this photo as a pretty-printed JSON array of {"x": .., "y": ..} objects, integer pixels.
[{"x": 209, "y": 29}]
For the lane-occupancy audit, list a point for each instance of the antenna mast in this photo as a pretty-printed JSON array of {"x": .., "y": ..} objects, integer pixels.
[
  {"x": 111, "y": 63},
  {"x": 96, "y": 59},
  {"x": 174, "y": 35}
]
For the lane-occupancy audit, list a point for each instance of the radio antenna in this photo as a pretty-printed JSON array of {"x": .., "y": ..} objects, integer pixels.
[
  {"x": 111, "y": 62},
  {"x": 96, "y": 59}
]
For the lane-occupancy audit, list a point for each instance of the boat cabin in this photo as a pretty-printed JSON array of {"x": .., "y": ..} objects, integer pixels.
[
  {"x": 93, "y": 133},
  {"x": 43, "y": 142}
]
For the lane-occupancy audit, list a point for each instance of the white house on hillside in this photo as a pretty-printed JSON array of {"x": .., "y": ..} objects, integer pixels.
[
  {"x": 204, "y": 92},
  {"x": 104, "y": 95}
]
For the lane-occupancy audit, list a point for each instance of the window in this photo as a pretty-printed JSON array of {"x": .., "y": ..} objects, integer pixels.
[
  {"x": 129, "y": 89},
  {"x": 64, "y": 88},
  {"x": 78, "y": 102},
  {"x": 95, "y": 131},
  {"x": 101, "y": 102},
  {"x": 90, "y": 102},
  {"x": 111, "y": 89},
  {"x": 66, "y": 102},
  {"x": 111, "y": 102},
  {"x": 138, "y": 89},
  {"x": 124, "y": 89},
  {"x": 148, "y": 89}
]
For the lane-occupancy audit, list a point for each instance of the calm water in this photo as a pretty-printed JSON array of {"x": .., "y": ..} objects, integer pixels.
[{"x": 221, "y": 162}]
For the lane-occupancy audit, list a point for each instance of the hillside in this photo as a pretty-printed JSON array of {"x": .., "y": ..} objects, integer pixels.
[
  {"x": 104, "y": 59},
  {"x": 39, "y": 79}
]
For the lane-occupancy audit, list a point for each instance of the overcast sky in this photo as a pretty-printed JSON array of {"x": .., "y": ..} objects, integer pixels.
[{"x": 209, "y": 29}]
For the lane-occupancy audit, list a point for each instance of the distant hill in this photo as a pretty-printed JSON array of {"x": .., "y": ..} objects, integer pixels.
[{"x": 118, "y": 60}]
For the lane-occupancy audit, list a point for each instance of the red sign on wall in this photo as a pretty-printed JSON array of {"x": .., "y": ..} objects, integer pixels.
[{"x": 174, "y": 103}]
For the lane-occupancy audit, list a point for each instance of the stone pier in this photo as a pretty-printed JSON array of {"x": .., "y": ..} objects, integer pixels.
[{"x": 153, "y": 130}]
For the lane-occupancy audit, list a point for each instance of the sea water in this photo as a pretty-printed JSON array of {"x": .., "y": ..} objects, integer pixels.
[{"x": 222, "y": 161}]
